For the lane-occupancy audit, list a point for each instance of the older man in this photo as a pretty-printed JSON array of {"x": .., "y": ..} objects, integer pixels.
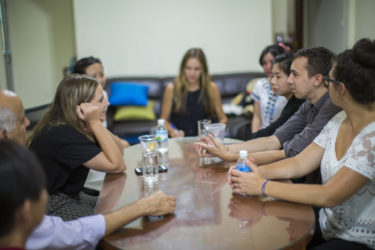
[{"x": 83, "y": 233}]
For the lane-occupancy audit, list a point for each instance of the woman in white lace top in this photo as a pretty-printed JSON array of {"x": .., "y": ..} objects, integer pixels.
[{"x": 345, "y": 152}]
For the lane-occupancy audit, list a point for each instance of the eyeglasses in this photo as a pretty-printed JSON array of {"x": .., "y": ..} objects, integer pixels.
[{"x": 326, "y": 80}]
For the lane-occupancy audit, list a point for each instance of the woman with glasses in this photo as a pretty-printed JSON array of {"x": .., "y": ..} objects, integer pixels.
[{"x": 345, "y": 153}]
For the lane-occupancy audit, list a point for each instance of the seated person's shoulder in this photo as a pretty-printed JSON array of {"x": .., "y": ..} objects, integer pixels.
[
  {"x": 61, "y": 132},
  {"x": 251, "y": 84},
  {"x": 260, "y": 86},
  {"x": 214, "y": 86},
  {"x": 169, "y": 87}
]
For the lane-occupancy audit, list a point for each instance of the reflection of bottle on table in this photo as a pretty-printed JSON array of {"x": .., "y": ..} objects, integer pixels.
[{"x": 243, "y": 225}]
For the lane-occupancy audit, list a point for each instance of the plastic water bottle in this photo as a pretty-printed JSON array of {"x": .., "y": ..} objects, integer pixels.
[
  {"x": 241, "y": 164},
  {"x": 162, "y": 137}
]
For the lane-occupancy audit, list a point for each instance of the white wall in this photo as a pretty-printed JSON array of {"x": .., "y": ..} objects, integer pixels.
[
  {"x": 280, "y": 16},
  {"x": 364, "y": 19},
  {"x": 145, "y": 37},
  {"x": 327, "y": 24},
  {"x": 283, "y": 18},
  {"x": 42, "y": 43},
  {"x": 338, "y": 24}
]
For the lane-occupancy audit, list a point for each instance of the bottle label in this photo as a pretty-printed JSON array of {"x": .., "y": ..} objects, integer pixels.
[
  {"x": 243, "y": 167},
  {"x": 161, "y": 135}
]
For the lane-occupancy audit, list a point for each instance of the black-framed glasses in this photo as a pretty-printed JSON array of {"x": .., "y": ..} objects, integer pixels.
[{"x": 326, "y": 80}]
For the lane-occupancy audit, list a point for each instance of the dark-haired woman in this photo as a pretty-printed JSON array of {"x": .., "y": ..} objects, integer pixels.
[
  {"x": 191, "y": 97},
  {"x": 267, "y": 104},
  {"x": 345, "y": 153},
  {"x": 280, "y": 86}
]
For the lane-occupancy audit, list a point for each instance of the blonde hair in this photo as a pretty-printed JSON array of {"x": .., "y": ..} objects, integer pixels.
[
  {"x": 72, "y": 91},
  {"x": 181, "y": 83}
]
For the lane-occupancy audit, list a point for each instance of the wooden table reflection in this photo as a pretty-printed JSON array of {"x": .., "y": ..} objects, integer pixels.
[{"x": 207, "y": 215}]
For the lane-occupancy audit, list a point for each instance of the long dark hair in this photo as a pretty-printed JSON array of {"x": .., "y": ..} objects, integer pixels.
[
  {"x": 83, "y": 63},
  {"x": 284, "y": 61},
  {"x": 273, "y": 50}
]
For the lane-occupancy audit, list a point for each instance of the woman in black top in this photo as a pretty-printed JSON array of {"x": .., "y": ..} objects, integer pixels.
[
  {"x": 279, "y": 85},
  {"x": 192, "y": 97},
  {"x": 70, "y": 139}
]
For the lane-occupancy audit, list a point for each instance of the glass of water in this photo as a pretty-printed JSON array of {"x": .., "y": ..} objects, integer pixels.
[
  {"x": 218, "y": 130},
  {"x": 149, "y": 158},
  {"x": 203, "y": 127}
]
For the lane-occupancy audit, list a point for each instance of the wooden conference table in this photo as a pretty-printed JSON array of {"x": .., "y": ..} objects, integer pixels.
[{"x": 207, "y": 214}]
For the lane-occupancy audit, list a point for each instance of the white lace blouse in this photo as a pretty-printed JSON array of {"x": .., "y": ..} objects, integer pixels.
[{"x": 354, "y": 219}]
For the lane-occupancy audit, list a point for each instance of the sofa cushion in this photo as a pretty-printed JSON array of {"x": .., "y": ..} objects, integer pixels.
[
  {"x": 125, "y": 93},
  {"x": 155, "y": 90},
  {"x": 135, "y": 113}
]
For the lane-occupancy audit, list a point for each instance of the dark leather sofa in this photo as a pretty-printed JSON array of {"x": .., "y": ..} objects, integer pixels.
[{"x": 229, "y": 85}]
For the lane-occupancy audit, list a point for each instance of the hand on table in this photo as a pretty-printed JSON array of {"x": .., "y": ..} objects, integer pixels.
[
  {"x": 210, "y": 146},
  {"x": 245, "y": 182},
  {"x": 160, "y": 204}
]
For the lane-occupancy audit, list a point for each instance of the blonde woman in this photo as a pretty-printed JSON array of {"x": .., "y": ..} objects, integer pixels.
[
  {"x": 70, "y": 139},
  {"x": 191, "y": 97}
]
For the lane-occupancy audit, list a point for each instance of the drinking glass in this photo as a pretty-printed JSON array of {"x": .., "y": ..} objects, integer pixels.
[
  {"x": 218, "y": 130},
  {"x": 203, "y": 127},
  {"x": 149, "y": 188},
  {"x": 149, "y": 158}
]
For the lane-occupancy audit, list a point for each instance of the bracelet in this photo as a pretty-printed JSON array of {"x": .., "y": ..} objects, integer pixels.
[{"x": 264, "y": 187}]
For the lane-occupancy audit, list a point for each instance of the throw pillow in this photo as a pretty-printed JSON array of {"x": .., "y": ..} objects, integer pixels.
[
  {"x": 124, "y": 93},
  {"x": 135, "y": 113}
]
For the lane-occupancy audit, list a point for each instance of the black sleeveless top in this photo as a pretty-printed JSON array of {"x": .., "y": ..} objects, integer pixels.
[{"x": 195, "y": 111}]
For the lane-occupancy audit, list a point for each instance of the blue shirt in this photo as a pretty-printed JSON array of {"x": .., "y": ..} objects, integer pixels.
[{"x": 54, "y": 233}]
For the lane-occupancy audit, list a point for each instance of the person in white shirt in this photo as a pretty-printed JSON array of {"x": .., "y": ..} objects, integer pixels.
[
  {"x": 85, "y": 232},
  {"x": 267, "y": 105},
  {"x": 345, "y": 153}
]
